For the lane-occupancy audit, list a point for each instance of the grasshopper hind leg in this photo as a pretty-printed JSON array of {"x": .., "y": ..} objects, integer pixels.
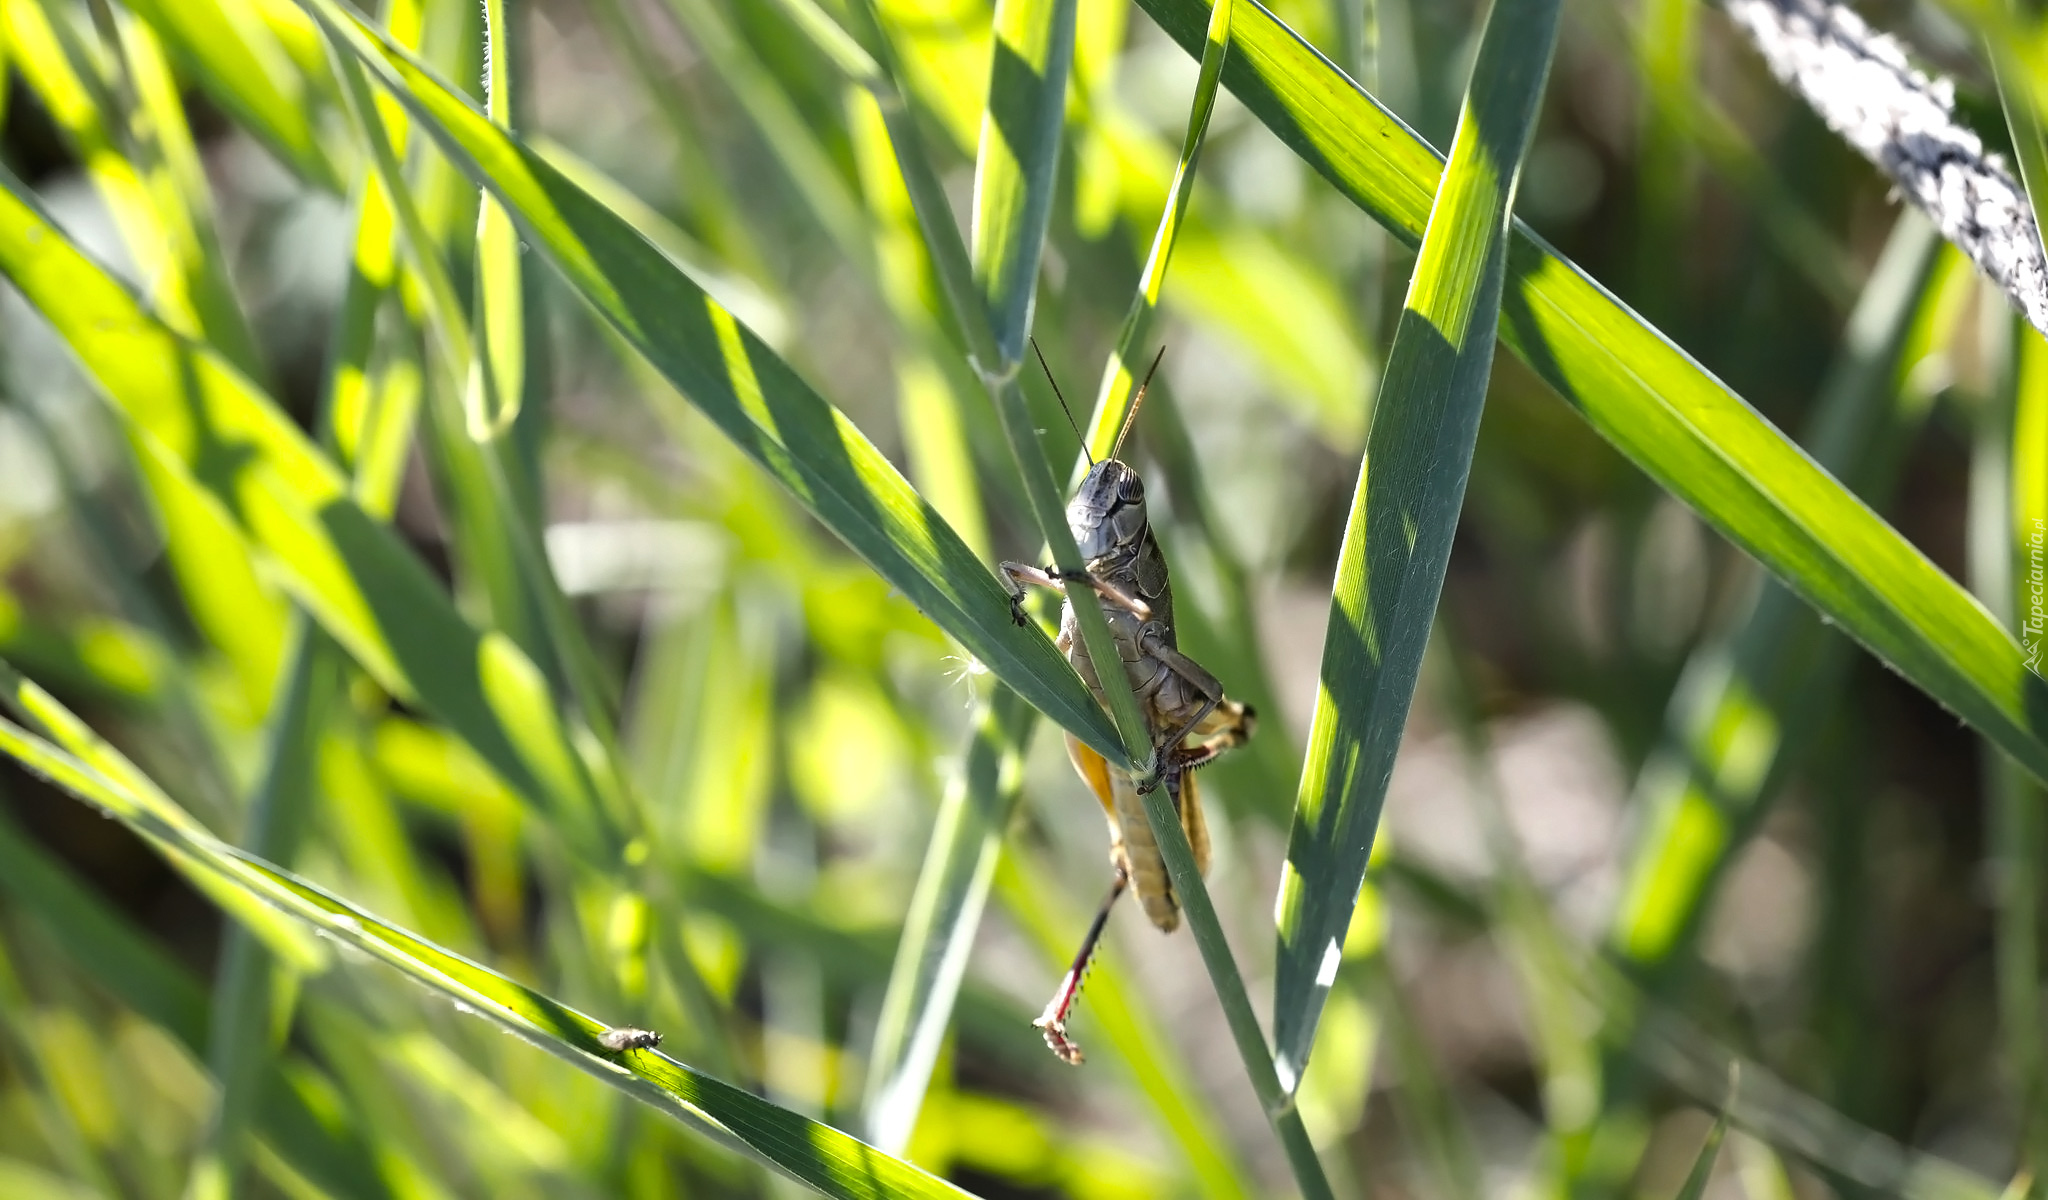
[{"x": 1053, "y": 1021}]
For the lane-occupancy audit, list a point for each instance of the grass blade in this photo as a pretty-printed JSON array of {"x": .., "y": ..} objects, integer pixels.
[
  {"x": 108, "y": 948},
  {"x": 198, "y": 418},
  {"x": 1684, "y": 428},
  {"x": 1113, "y": 399},
  {"x": 1404, "y": 513},
  {"x": 756, "y": 399},
  {"x": 244, "y": 69},
  {"x": 1020, "y": 152},
  {"x": 1014, "y": 174},
  {"x": 1703, "y": 1167},
  {"x": 818, "y": 1155},
  {"x": 945, "y": 910},
  {"x": 497, "y": 378},
  {"x": 1746, "y": 703}
]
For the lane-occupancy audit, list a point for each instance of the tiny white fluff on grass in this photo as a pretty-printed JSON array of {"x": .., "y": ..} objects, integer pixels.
[{"x": 1863, "y": 86}]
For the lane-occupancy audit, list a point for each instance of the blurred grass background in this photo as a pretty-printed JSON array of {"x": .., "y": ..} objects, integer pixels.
[{"x": 1543, "y": 984}]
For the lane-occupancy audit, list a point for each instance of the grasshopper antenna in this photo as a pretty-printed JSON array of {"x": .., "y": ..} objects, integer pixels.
[
  {"x": 1132, "y": 419},
  {"x": 1063, "y": 402}
]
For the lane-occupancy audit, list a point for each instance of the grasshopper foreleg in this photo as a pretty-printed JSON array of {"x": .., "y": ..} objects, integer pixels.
[
  {"x": 1053, "y": 1021},
  {"x": 1016, "y": 575}
]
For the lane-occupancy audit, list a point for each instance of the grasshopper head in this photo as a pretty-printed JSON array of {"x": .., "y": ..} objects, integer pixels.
[{"x": 1107, "y": 514}]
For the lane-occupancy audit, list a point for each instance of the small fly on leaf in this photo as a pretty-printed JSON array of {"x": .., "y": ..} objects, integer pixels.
[
  {"x": 1189, "y": 718},
  {"x": 624, "y": 1038}
]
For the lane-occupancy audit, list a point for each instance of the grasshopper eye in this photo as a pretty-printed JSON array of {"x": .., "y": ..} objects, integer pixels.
[{"x": 1131, "y": 490}]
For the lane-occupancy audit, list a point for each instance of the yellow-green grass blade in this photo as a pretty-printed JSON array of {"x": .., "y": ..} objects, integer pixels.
[
  {"x": 1113, "y": 398},
  {"x": 1404, "y": 513},
  {"x": 165, "y": 222},
  {"x": 1684, "y": 428},
  {"x": 902, "y": 181},
  {"x": 135, "y": 145},
  {"x": 753, "y": 302},
  {"x": 230, "y": 52},
  {"x": 40, "y": 711},
  {"x": 931, "y": 399},
  {"x": 1014, "y": 170},
  {"x": 108, "y": 948},
  {"x": 749, "y": 393},
  {"x": 822, "y": 1157},
  {"x": 1746, "y": 703},
  {"x": 195, "y": 416},
  {"x": 108, "y": 659},
  {"x": 497, "y": 378},
  {"x": 945, "y": 910}
]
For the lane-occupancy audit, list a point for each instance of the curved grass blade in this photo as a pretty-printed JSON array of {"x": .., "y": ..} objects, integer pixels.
[
  {"x": 195, "y": 417},
  {"x": 818, "y": 1155},
  {"x": 1404, "y": 513},
  {"x": 755, "y": 398},
  {"x": 1684, "y": 428}
]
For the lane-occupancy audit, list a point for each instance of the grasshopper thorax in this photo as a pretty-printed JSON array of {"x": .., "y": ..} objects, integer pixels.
[{"x": 1107, "y": 513}]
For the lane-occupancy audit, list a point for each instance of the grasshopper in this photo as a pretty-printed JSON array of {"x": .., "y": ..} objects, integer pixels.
[{"x": 1190, "y": 719}]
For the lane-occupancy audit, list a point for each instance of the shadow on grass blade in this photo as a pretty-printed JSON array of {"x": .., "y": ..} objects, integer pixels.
[{"x": 1404, "y": 513}]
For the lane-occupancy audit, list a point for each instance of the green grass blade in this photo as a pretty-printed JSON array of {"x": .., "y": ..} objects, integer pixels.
[
  {"x": 1404, "y": 513},
  {"x": 2005, "y": 547},
  {"x": 36, "y": 707},
  {"x": 1746, "y": 703},
  {"x": 111, "y": 951},
  {"x": 247, "y": 984},
  {"x": 1014, "y": 175},
  {"x": 497, "y": 380},
  {"x": 1020, "y": 152},
  {"x": 196, "y": 417},
  {"x": 945, "y": 250},
  {"x": 795, "y": 145},
  {"x": 1113, "y": 398},
  {"x": 945, "y": 910},
  {"x": 818, "y": 1155},
  {"x": 1684, "y": 428},
  {"x": 756, "y": 399},
  {"x": 243, "y": 69}
]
